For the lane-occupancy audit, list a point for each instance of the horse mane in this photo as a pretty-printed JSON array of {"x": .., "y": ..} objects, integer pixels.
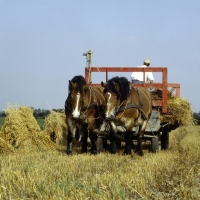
[
  {"x": 124, "y": 87},
  {"x": 123, "y": 84},
  {"x": 79, "y": 80}
]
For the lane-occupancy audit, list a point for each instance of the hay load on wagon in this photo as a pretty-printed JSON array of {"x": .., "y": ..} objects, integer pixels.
[
  {"x": 21, "y": 129},
  {"x": 179, "y": 112}
]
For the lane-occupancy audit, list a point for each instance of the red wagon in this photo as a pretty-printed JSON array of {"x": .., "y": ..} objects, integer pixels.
[{"x": 156, "y": 132}]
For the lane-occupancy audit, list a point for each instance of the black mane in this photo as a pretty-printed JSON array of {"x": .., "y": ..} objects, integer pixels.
[
  {"x": 123, "y": 84},
  {"x": 79, "y": 80}
]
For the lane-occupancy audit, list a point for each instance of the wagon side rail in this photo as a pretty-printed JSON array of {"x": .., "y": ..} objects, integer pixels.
[{"x": 164, "y": 85}]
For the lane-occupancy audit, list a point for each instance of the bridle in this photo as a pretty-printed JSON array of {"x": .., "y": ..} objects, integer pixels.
[
  {"x": 84, "y": 109},
  {"x": 122, "y": 108}
]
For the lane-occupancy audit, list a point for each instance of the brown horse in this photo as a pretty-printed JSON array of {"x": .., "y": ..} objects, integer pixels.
[
  {"x": 127, "y": 108},
  {"x": 84, "y": 108}
]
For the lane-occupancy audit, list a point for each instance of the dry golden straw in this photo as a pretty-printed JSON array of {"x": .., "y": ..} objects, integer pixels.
[
  {"x": 56, "y": 127},
  {"x": 179, "y": 110},
  {"x": 21, "y": 129}
]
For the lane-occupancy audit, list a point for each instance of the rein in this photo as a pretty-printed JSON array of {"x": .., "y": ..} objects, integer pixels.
[
  {"x": 119, "y": 109},
  {"x": 87, "y": 107},
  {"x": 94, "y": 105},
  {"x": 127, "y": 106}
]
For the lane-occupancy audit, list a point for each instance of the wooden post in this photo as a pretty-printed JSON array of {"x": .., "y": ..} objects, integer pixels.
[
  {"x": 88, "y": 73},
  {"x": 164, "y": 90}
]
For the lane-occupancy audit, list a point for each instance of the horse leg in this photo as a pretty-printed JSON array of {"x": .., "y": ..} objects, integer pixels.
[
  {"x": 139, "y": 145},
  {"x": 84, "y": 143},
  {"x": 140, "y": 131},
  {"x": 84, "y": 139},
  {"x": 93, "y": 139},
  {"x": 69, "y": 142},
  {"x": 128, "y": 143},
  {"x": 115, "y": 141},
  {"x": 78, "y": 134},
  {"x": 105, "y": 143},
  {"x": 118, "y": 144},
  {"x": 113, "y": 148}
]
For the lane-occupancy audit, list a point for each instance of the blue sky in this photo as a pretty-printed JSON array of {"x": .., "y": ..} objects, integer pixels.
[{"x": 42, "y": 44}]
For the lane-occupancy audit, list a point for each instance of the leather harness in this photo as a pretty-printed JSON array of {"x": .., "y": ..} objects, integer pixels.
[{"x": 133, "y": 105}]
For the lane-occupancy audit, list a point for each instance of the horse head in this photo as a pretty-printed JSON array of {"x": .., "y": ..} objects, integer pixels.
[
  {"x": 80, "y": 98},
  {"x": 116, "y": 91}
]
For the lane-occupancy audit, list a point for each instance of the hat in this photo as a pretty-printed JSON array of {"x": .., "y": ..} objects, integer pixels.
[{"x": 146, "y": 61}]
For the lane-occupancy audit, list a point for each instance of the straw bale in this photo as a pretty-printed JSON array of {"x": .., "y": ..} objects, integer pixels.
[
  {"x": 56, "y": 127},
  {"x": 5, "y": 147},
  {"x": 157, "y": 94},
  {"x": 179, "y": 110},
  {"x": 36, "y": 140},
  {"x": 13, "y": 125},
  {"x": 21, "y": 129}
]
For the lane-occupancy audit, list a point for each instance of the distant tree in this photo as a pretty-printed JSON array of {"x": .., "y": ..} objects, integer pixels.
[
  {"x": 38, "y": 113},
  {"x": 58, "y": 110},
  {"x": 2, "y": 114},
  {"x": 197, "y": 116}
]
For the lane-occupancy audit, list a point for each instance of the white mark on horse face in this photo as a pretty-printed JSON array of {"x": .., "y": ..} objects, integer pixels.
[
  {"x": 109, "y": 110},
  {"x": 76, "y": 112},
  {"x": 109, "y": 96}
]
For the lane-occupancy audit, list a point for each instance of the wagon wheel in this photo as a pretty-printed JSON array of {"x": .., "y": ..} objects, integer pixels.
[
  {"x": 165, "y": 139},
  {"x": 155, "y": 147}
]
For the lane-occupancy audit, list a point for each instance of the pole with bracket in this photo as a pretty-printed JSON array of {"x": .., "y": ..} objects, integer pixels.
[{"x": 89, "y": 63}]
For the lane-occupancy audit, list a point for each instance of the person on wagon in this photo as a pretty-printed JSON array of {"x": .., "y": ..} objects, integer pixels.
[{"x": 137, "y": 77}]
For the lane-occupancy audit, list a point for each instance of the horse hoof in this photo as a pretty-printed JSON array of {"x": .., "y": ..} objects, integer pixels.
[
  {"x": 94, "y": 152},
  {"x": 69, "y": 152},
  {"x": 140, "y": 153},
  {"x": 113, "y": 151},
  {"x": 127, "y": 153},
  {"x": 83, "y": 151}
]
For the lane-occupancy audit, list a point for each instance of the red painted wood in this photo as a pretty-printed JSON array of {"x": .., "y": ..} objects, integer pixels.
[
  {"x": 178, "y": 92},
  {"x": 164, "y": 85}
]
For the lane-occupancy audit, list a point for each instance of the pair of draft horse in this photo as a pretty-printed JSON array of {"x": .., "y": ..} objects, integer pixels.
[{"x": 118, "y": 105}]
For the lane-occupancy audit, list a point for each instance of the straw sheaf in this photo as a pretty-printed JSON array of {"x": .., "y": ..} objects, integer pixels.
[
  {"x": 13, "y": 125},
  {"x": 56, "y": 127},
  {"x": 178, "y": 109},
  {"x": 21, "y": 129},
  {"x": 5, "y": 147},
  {"x": 36, "y": 140}
]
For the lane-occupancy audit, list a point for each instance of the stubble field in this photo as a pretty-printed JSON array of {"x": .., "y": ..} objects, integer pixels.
[{"x": 40, "y": 174}]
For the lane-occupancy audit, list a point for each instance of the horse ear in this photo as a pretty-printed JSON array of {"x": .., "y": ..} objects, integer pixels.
[
  {"x": 72, "y": 85},
  {"x": 103, "y": 84}
]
